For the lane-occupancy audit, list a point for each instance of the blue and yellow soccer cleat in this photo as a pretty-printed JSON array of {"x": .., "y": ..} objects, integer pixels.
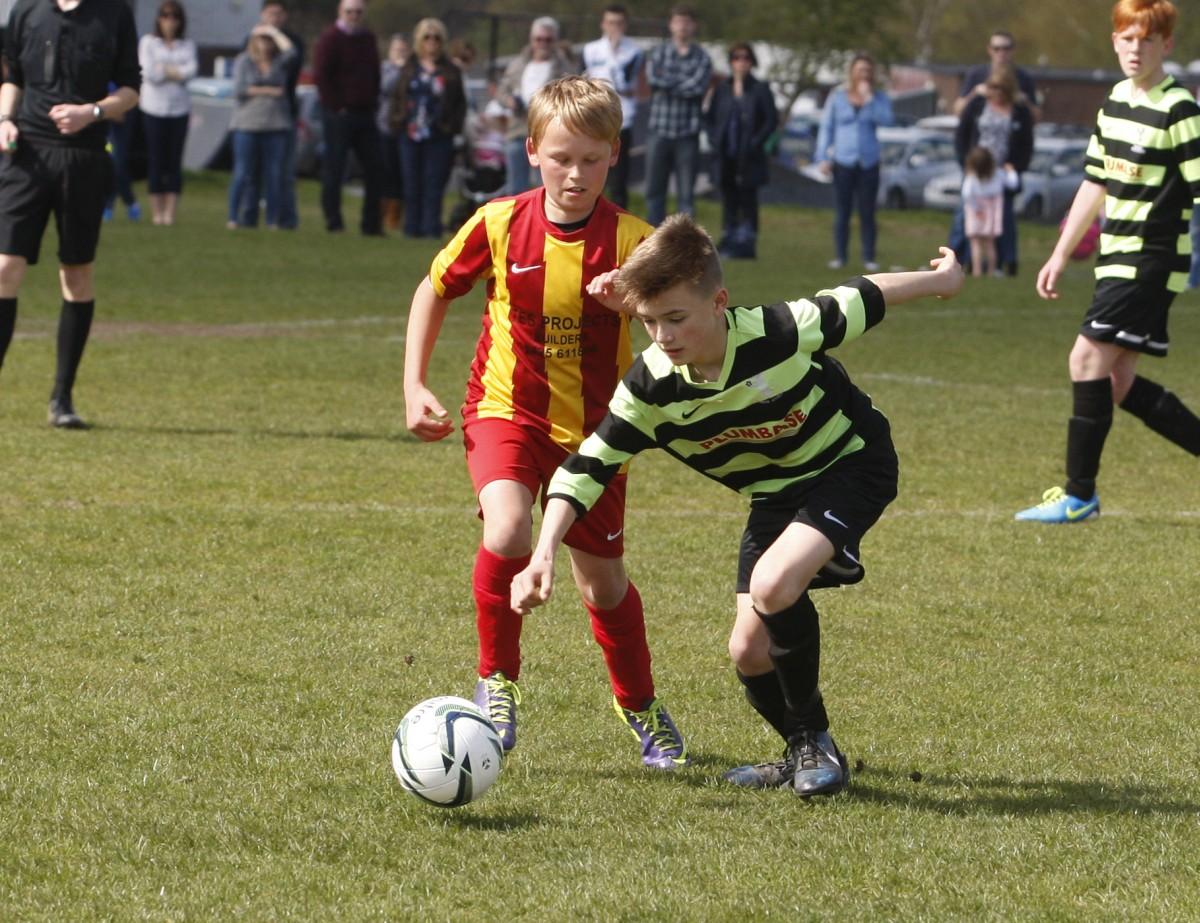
[
  {"x": 498, "y": 697},
  {"x": 662, "y": 744},
  {"x": 1058, "y": 506}
]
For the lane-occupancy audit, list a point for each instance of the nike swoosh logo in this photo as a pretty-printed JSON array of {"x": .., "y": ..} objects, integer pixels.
[
  {"x": 829, "y": 515},
  {"x": 688, "y": 413},
  {"x": 1082, "y": 512},
  {"x": 517, "y": 270},
  {"x": 613, "y": 536}
]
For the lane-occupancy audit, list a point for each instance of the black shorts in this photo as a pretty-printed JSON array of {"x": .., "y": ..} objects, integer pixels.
[
  {"x": 72, "y": 183},
  {"x": 841, "y": 503},
  {"x": 1131, "y": 313}
]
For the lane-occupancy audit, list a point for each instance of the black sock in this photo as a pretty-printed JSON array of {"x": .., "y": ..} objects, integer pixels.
[
  {"x": 8, "y": 323},
  {"x": 795, "y": 652},
  {"x": 765, "y": 696},
  {"x": 1164, "y": 413},
  {"x": 1086, "y": 432},
  {"x": 74, "y": 324}
]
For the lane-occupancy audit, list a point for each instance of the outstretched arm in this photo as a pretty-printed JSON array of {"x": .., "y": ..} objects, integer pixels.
[
  {"x": 532, "y": 586},
  {"x": 944, "y": 281}
]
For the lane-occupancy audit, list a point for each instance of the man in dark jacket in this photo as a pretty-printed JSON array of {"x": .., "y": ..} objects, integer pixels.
[{"x": 346, "y": 68}]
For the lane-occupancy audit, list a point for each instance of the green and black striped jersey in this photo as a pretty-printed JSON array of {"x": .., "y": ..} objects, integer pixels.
[
  {"x": 781, "y": 411},
  {"x": 1146, "y": 152}
]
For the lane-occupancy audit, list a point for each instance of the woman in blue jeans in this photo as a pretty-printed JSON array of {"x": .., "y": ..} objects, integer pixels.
[
  {"x": 261, "y": 122},
  {"x": 428, "y": 109},
  {"x": 847, "y": 147}
]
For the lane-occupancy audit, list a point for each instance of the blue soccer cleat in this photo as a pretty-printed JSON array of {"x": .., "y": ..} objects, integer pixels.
[
  {"x": 818, "y": 766},
  {"x": 498, "y": 696},
  {"x": 662, "y": 744},
  {"x": 774, "y": 774},
  {"x": 1058, "y": 506}
]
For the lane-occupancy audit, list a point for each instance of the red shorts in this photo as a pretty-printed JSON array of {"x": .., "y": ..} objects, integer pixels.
[{"x": 500, "y": 450}]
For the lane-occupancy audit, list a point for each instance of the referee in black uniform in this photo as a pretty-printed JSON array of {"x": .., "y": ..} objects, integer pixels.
[{"x": 59, "y": 58}]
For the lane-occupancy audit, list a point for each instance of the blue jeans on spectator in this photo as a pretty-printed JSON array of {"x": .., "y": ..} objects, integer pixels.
[
  {"x": 850, "y": 184},
  {"x": 519, "y": 174},
  {"x": 664, "y": 156},
  {"x": 118, "y": 136},
  {"x": 165, "y": 138},
  {"x": 426, "y": 167},
  {"x": 1194, "y": 278},
  {"x": 257, "y": 157},
  {"x": 346, "y": 131}
]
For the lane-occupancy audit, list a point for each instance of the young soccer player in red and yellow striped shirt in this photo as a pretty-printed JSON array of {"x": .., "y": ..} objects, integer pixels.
[{"x": 547, "y": 362}]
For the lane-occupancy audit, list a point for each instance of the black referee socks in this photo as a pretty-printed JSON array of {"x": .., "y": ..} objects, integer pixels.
[{"x": 74, "y": 325}]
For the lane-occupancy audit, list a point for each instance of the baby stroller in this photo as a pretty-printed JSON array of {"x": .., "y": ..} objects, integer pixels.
[{"x": 480, "y": 174}]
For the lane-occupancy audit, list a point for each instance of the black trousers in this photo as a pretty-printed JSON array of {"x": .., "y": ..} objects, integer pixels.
[{"x": 346, "y": 132}]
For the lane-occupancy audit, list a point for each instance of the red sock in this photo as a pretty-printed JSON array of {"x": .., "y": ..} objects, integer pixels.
[
  {"x": 498, "y": 626},
  {"x": 621, "y": 634}
]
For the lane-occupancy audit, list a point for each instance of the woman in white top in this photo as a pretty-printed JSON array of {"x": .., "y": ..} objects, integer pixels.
[{"x": 168, "y": 62}]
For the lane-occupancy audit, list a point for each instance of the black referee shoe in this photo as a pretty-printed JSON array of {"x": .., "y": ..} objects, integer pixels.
[
  {"x": 820, "y": 767},
  {"x": 62, "y": 414}
]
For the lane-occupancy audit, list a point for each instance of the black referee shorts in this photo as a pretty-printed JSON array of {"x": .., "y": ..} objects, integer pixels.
[
  {"x": 73, "y": 184},
  {"x": 1131, "y": 313},
  {"x": 841, "y": 503}
]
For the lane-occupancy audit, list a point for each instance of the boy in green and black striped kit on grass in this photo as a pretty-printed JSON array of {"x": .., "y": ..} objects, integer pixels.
[
  {"x": 1143, "y": 167},
  {"x": 749, "y": 397}
]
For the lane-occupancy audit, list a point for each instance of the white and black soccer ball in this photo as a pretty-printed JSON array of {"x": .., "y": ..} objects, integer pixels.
[{"x": 446, "y": 751}]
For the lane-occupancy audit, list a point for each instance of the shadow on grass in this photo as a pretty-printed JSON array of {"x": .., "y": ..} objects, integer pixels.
[
  {"x": 505, "y": 821},
  {"x": 269, "y": 433},
  {"x": 966, "y": 795}
]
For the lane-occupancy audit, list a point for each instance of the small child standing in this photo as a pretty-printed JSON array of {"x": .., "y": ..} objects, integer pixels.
[{"x": 983, "y": 206}]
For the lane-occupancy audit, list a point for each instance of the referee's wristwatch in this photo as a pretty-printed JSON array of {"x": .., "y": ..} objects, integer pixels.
[{"x": 97, "y": 112}]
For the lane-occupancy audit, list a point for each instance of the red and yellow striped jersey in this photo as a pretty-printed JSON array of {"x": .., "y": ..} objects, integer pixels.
[{"x": 549, "y": 355}]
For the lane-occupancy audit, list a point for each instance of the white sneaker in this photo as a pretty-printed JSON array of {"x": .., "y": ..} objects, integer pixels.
[
  {"x": 836, "y": 264},
  {"x": 871, "y": 266}
]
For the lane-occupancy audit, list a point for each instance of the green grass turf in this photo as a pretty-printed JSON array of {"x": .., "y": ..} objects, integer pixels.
[{"x": 217, "y": 604}]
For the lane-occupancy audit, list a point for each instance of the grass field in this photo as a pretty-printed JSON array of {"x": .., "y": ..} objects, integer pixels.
[{"x": 217, "y": 604}]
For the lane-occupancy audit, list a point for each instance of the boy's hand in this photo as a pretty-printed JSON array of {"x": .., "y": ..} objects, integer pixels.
[
  {"x": 1047, "y": 279},
  {"x": 532, "y": 587},
  {"x": 604, "y": 289},
  {"x": 948, "y": 273},
  {"x": 426, "y": 418}
]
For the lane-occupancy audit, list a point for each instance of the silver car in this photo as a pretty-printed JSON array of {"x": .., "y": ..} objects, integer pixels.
[
  {"x": 908, "y": 159},
  {"x": 1047, "y": 188}
]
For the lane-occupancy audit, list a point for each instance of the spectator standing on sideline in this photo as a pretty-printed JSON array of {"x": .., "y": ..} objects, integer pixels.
[
  {"x": 617, "y": 60},
  {"x": 168, "y": 61},
  {"x": 678, "y": 72},
  {"x": 346, "y": 66},
  {"x": 60, "y": 57},
  {"x": 118, "y": 148},
  {"x": 260, "y": 124},
  {"x": 1003, "y": 124},
  {"x": 741, "y": 118},
  {"x": 848, "y": 149},
  {"x": 275, "y": 14},
  {"x": 428, "y": 109},
  {"x": 538, "y": 63},
  {"x": 391, "y": 183},
  {"x": 1001, "y": 46},
  {"x": 1143, "y": 168}
]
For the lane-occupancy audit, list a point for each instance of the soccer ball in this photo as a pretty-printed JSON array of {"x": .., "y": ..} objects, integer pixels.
[{"x": 446, "y": 751}]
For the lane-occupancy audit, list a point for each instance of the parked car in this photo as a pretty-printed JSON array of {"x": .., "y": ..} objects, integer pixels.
[
  {"x": 1049, "y": 185},
  {"x": 1047, "y": 188},
  {"x": 908, "y": 159},
  {"x": 797, "y": 142}
]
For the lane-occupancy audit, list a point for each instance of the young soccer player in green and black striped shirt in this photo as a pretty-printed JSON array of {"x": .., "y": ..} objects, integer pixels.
[
  {"x": 1143, "y": 167},
  {"x": 750, "y": 397}
]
